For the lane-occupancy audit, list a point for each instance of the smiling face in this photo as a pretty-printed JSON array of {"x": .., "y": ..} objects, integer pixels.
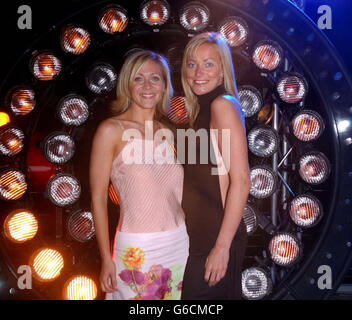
[
  {"x": 204, "y": 69},
  {"x": 147, "y": 86}
]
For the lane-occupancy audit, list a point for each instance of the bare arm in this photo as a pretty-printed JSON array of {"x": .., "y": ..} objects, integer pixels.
[
  {"x": 103, "y": 150},
  {"x": 226, "y": 114}
]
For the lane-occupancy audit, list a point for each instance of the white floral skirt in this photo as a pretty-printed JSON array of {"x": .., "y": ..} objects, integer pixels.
[{"x": 150, "y": 266}]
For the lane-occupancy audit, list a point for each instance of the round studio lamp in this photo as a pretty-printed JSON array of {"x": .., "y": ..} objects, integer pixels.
[
  {"x": 21, "y": 100},
  {"x": 20, "y": 226},
  {"x": 45, "y": 66},
  {"x": 305, "y": 211},
  {"x": 59, "y": 147},
  {"x": 13, "y": 184},
  {"x": 73, "y": 110},
  {"x": 267, "y": 55},
  {"x": 263, "y": 182},
  {"x": 80, "y": 287},
  {"x": 250, "y": 219},
  {"x": 11, "y": 141},
  {"x": 285, "y": 249},
  {"x": 307, "y": 125},
  {"x": 194, "y": 16},
  {"x": 101, "y": 78},
  {"x": 154, "y": 13},
  {"x": 251, "y": 100},
  {"x": 263, "y": 140},
  {"x": 80, "y": 225},
  {"x": 292, "y": 88},
  {"x": 74, "y": 39},
  {"x": 47, "y": 264},
  {"x": 234, "y": 30},
  {"x": 113, "y": 19},
  {"x": 177, "y": 112},
  {"x": 314, "y": 167},
  {"x": 63, "y": 189},
  {"x": 256, "y": 284}
]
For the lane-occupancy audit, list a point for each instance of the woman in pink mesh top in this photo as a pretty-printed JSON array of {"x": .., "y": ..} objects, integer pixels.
[{"x": 151, "y": 243}]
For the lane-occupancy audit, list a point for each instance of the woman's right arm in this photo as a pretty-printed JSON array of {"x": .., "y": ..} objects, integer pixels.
[{"x": 103, "y": 150}]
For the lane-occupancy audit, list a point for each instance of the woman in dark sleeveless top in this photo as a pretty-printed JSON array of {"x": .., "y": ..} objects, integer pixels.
[{"x": 214, "y": 221}]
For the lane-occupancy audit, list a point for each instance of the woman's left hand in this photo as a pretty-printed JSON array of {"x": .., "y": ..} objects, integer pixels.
[{"x": 216, "y": 265}]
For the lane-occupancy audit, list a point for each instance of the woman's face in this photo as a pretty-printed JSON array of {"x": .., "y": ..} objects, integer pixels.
[
  {"x": 204, "y": 69},
  {"x": 148, "y": 85}
]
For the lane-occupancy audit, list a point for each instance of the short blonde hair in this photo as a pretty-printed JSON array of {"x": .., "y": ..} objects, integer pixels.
[
  {"x": 214, "y": 39},
  {"x": 131, "y": 66}
]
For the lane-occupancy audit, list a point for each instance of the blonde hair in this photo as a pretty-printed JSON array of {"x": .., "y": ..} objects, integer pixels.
[
  {"x": 214, "y": 39},
  {"x": 131, "y": 66}
]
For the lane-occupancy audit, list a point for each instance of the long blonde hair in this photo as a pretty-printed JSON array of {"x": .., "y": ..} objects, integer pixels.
[
  {"x": 214, "y": 39},
  {"x": 131, "y": 66}
]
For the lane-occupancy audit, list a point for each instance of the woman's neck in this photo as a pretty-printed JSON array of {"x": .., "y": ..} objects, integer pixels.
[{"x": 137, "y": 114}]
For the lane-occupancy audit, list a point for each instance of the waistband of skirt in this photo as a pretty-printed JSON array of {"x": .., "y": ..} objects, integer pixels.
[{"x": 153, "y": 235}]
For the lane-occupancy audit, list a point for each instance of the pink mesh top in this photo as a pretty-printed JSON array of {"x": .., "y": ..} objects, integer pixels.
[{"x": 149, "y": 186}]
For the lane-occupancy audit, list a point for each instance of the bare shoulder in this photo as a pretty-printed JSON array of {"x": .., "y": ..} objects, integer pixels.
[
  {"x": 109, "y": 129},
  {"x": 227, "y": 106}
]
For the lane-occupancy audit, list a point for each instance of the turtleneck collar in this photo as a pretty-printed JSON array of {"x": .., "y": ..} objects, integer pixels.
[{"x": 206, "y": 99}]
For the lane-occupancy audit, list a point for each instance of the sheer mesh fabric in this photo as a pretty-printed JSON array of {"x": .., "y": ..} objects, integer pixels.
[{"x": 148, "y": 181}]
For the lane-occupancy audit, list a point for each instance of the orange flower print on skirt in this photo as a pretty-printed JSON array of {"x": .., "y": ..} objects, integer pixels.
[{"x": 150, "y": 266}]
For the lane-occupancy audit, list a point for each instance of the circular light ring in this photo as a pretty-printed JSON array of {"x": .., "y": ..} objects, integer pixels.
[
  {"x": 307, "y": 125},
  {"x": 250, "y": 219},
  {"x": 74, "y": 39},
  {"x": 263, "y": 182},
  {"x": 194, "y": 16},
  {"x": 292, "y": 87},
  {"x": 314, "y": 167},
  {"x": 285, "y": 249},
  {"x": 234, "y": 30},
  {"x": 45, "y": 66},
  {"x": 80, "y": 287},
  {"x": 73, "y": 110},
  {"x": 101, "y": 78},
  {"x": 113, "y": 19},
  {"x": 256, "y": 284},
  {"x": 263, "y": 140},
  {"x": 21, "y": 100},
  {"x": 12, "y": 184},
  {"x": 47, "y": 264},
  {"x": 177, "y": 112},
  {"x": 20, "y": 226},
  {"x": 63, "y": 189},
  {"x": 11, "y": 141},
  {"x": 80, "y": 226},
  {"x": 59, "y": 147},
  {"x": 155, "y": 13},
  {"x": 251, "y": 100},
  {"x": 305, "y": 211},
  {"x": 267, "y": 55}
]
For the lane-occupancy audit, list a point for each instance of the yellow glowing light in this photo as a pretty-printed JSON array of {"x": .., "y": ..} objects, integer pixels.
[
  {"x": 154, "y": 16},
  {"x": 80, "y": 288},
  {"x": 47, "y": 264},
  {"x": 4, "y": 118},
  {"x": 21, "y": 226}
]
